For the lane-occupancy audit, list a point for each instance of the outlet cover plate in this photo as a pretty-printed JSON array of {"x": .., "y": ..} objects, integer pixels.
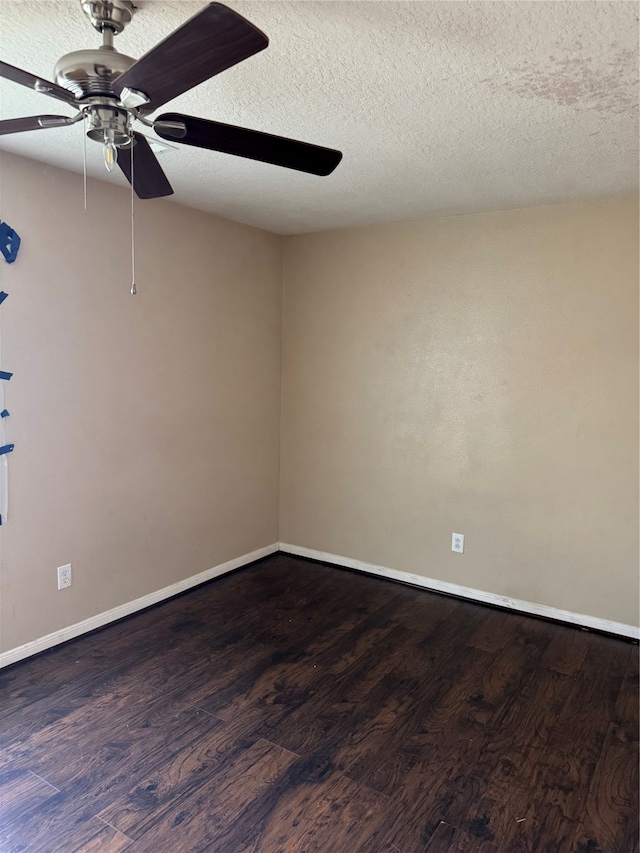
[
  {"x": 457, "y": 542},
  {"x": 64, "y": 576}
]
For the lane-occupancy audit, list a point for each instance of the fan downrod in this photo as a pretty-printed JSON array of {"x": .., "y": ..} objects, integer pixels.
[{"x": 111, "y": 15}]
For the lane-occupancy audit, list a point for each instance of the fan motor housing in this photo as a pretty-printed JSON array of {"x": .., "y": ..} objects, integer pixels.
[{"x": 91, "y": 72}]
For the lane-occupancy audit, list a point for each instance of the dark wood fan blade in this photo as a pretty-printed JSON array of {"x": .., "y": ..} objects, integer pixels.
[
  {"x": 19, "y": 125},
  {"x": 149, "y": 181},
  {"x": 253, "y": 144},
  {"x": 213, "y": 40},
  {"x": 17, "y": 75}
]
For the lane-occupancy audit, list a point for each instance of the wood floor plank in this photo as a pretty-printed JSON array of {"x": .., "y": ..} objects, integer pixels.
[
  {"x": 495, "y": 631},
  {"x": 452, "y": 839},
  {"x": 451, "y": 736},
  {"x": 609, "y": 820},
  {"x": 151, "y": 736},
  {"x": 345, "y": 816},
  {"x": 88, "y": 783},
  {"x": 352, "y": 753},
  {"x": 57, "y": 827},
  {"x": 293, "y": 707},
  {"x": 384, "y": 762},
  {"x": 427, "y": 614},
  {"x": 245, "y": 688},
  {"x": 89, "y": 836},
  {"x": 97, "y": 672},
  {"x": 561, "y": 782},
  {"x": 425, "y": 790},
  {"x": 168, "y": 783},
  {"x": 339, "y": 700},
  {"x": 76, "y": 726},
  {"x": 216, "y": 808},
  {"x": 626, "y": 707},
  {"x": 215, "y": 683},
  {"x": 563, "y": 770},
  {"x": 415, "y": 677},
  {"x": 105, "y": 840},
  {"x": 567, "y": 651},
  {"x": 462, "y": 699},
  {"x": 20, "y": 792},
  {"x": 98, "y": 839},
  {"x": 487, "y": 799}
]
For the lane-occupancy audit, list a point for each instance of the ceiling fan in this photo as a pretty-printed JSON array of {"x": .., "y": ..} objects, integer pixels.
[{"x": 112, "y": 91}]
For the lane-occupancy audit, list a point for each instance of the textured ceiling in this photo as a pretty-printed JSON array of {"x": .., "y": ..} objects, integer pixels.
[{"x": 439, "y": 107}]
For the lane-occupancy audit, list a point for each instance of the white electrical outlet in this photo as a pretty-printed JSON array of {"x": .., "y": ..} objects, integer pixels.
[
  {"x": 457, "y": 542},
  {"x": 64, "y": 576}
]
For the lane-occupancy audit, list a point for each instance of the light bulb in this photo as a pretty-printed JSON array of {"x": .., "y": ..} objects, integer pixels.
[{"x": 110, "y": 152}]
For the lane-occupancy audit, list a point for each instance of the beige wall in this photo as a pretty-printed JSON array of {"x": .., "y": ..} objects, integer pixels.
[
  {"x": 146, "y": 428},
  {"x": 476, "y": 374}
]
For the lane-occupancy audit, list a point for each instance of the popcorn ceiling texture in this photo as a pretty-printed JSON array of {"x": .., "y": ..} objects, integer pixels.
[{"x": 439, "y": 107}]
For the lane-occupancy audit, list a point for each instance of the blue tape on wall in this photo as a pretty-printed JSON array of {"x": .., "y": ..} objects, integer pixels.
[
  {"x": 9, "y": 243},
  {"x": 9, "y": 246}
]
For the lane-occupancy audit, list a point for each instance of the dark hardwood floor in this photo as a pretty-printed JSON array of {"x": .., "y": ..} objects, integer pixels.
[{"x": 293, "y": 707}]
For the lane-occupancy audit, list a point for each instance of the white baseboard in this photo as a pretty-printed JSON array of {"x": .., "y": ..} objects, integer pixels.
[
  {"x": 467, "y": 592},
  {"x": 101, "y": 619}
]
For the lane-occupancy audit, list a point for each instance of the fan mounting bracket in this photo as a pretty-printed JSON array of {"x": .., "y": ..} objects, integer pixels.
[{"x": 111, "y": 15}]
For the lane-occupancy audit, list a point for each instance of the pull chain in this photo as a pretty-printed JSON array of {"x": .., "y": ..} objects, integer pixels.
[
  {"x": 84, "y": 157},
  {"x": 133, "y": 229}
]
